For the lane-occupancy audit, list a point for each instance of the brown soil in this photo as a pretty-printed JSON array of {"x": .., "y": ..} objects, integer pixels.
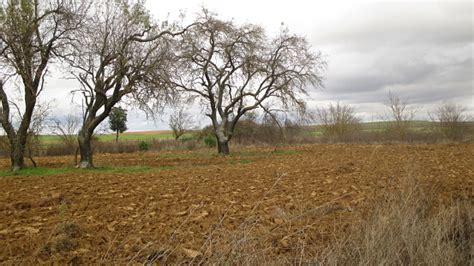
[{"x": 201, "y": 205}]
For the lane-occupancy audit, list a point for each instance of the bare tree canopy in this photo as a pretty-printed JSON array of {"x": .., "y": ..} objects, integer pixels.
[
  {"x": 32, "y": 34},
  {"x": 180, "y": 122},
  {"x": 119, "y": 48},
  {"x": 233, "y": 69},
  {"x": 66, "y": 130},
  {"x": 401, "y": 114},
  {"x": 451, "y": 120},
  {"x": 337, "y": 121}
]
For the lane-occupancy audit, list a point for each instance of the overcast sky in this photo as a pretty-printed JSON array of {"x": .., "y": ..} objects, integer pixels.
[{"x": 420, "y": 50}]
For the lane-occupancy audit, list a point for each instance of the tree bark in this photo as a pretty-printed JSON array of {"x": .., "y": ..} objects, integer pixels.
[
  {"x": 16, "y": 156},
  {"x": 222, "y": 139},
  {"x": 18, "y": 141},
  {"x": 17, "y": 138},
  {"x": 223, "y": 147},
  {"x": 85, "y": 149}
]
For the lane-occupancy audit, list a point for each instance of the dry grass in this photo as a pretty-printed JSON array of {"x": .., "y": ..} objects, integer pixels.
[{"x": 407, "y": 228}]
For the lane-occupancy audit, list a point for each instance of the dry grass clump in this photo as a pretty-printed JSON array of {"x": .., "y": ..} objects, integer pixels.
[
  {"x": 64, "y": 239},
  {"x": 406, "y": 228}
]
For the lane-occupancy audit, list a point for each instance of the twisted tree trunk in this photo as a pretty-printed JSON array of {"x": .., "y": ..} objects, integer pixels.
[
  {"x": 17, "y": 157},
  {"x": 17, "y": 138},
  {"x": 223, "y": 147},
  {"x": 222, "y": 140},
  {"x": 85, "y": 149}
]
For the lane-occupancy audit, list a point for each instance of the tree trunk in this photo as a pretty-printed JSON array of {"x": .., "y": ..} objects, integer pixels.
[
  {"x": 17, "y": 139},
  {"x": 85, "y": 150},
  {"x": 222, "y": 141},
  {"x": 116, "y": 136},
  {"x": 17, "y": 156},
  {"x": 223, "y": 147},
  {"x": 18, "y": 147}
]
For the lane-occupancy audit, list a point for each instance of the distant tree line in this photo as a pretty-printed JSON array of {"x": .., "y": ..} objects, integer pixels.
[{"x": 340, "y": 123}]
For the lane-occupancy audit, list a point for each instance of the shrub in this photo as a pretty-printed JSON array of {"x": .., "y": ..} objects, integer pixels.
[
  {"x": 4, "y": 146},
  {"x": 143, "y": 146},
  {"x": 338, "y": 122},
  {"x": 192, "y": 136},
  {"x": 246, "y": 129},
  {"x": 451, "y": 120},
  {"x": 210, "y": 141},
  {"x": 270, "y": 131},
  {"x": 180, "y": 122}
]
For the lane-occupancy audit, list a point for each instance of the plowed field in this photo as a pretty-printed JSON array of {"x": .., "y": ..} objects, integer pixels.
[{"x": 193, "y": 206}]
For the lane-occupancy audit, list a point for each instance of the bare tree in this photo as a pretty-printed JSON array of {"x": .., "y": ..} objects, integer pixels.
[
  {"x": 37, "y": 125},
  {"x": 233, "y": 69},
  {"x": 67, "y": 130},
  {"x": 180, "y": 122},
  {"x": 118, "y": 49},
  {"x": 337, "y": 121},
  {"x": 451, "y": 120},
  {"x": 401, "y": 114},
  {"x": 32, "y": 34}
]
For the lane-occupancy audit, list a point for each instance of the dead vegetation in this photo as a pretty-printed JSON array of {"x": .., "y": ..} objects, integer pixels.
[
  {"x": 401, "y": 113},
  {"x": 406, "y": 227},
  {"x": 338, "y": 122},
  {"x": 451, "y": 121}
]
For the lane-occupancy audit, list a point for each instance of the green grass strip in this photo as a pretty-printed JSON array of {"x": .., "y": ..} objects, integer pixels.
[{"x": 43, "y": 171}]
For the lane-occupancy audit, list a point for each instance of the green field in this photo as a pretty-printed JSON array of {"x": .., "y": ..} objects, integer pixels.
[
  {"x": 418, "y": 126},
  {"x": 42, "y": 171},
  {"x": 138, "y": 136}
]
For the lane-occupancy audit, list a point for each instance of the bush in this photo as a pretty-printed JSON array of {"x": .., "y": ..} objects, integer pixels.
[
  {"x": 451, "y": 120},
  {"x": 210, "y": 141},
  {"x": 401, "y": 114},
  {"x": 338, "y": 122},
  {"x": 270, "y": 132},
  {"x": 143, "y": 146},
  {"x": 192, "y": 136},
  {"x": 4, "y": 146}
]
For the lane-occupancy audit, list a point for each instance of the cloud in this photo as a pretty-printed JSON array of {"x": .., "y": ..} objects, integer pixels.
[
  {"x": 422, "y": 51},
  {"x": 387, "y": 24}
]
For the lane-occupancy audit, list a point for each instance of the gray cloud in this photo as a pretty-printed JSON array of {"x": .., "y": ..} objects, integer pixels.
[
  {"x": 422, "y": 51},
  {"x": 386, "y": 24}
]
